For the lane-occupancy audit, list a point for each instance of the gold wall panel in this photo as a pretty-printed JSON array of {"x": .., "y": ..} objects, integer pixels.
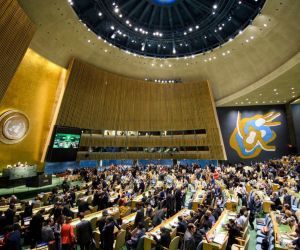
[
  {"x": 16, "y": 32},
  {"x": 97, "y": 99},
  {"x": 33, "y": 90}
]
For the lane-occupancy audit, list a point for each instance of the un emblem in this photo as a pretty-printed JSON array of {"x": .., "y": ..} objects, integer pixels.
[
  {"x": 14, "y": 127},
  {"x": 254, "y": 134}
]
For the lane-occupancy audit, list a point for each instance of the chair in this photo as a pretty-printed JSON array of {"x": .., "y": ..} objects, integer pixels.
[
  {"x": 244, "y": 244},
  {"x": 94, "y": 222},
  {"x": 120, "y": 240},
  {"x": 94, "y": 209},
  {"x": 173, "y": 244},
  {"x": 96, "y": 236},
  {"x": 173, "y": 233},
  {"x": 148, "y": 222},
  {"x": 140, "y": 244},
  {"x": 89, "y": 200}
]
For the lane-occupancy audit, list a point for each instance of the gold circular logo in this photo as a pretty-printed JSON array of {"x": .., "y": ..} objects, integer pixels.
[{"x": 14, "y": 127}]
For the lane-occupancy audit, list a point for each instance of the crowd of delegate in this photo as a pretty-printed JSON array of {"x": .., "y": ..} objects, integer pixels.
[{"x": 131, "y": 207}]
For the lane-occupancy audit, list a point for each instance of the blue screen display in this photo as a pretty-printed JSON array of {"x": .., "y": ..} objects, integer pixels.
[{"x": 162, "y": 2}]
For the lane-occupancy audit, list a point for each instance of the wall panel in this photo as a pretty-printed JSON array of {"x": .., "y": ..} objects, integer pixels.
[
  {"x": 16, "y": 32},
  {"x": 36, "y": 94},
  {"x": 96, "y": 99}
]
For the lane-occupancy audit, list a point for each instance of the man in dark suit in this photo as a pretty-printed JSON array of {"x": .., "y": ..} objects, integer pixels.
[
  {"x": 178, "y": 200},
  {"x": 182, "y": 225},
  {"x": 84, "y": 233},
  {"x": 35, "y": 227},
  {"x": 159, "y": 217},
  {"x": 108, "y": 234},
  {"x": 140, "y": 215},
  {"x": 10, "y": 214}
]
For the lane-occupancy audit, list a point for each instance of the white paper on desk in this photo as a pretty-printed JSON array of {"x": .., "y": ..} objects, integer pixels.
[{"x": 220, "y": 238}]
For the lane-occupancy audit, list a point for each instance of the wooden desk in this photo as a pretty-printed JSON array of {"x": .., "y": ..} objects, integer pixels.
[
  {"x": 113, "y": 211},
  {"x": 138, "y": 199},
  {"x": 198, "y": 199},
  {"x": 169, "y": 223},
  {"x": 280, "y": 232},
  {"x": 217, "y": 230},
  {"x": 266, "y": 201},
  {"x": 231, "y": 200},
  {"x": 5, "y": 207},
  {"x": 128, "y": 220}
]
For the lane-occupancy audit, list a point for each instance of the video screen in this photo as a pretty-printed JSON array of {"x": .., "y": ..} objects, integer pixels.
[{"x": 62, "y": 140}]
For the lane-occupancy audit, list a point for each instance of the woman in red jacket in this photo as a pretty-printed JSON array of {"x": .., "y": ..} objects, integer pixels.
[{"x": 67, "y": 235}]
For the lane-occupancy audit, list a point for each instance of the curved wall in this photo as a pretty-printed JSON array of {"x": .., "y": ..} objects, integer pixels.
[{"x": 96, "y": 99}]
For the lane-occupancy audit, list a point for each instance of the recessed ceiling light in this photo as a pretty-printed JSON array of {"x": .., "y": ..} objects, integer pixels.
[
  {"x": 292, "y": 88},
  {"x": 265, "y": 25},
  {"x": 260, "y": 94},
  {"x": 215, "y": 6},
  {"x": 274, "y": 89}
]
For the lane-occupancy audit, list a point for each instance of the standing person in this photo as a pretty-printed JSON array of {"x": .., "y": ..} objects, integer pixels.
[
  {"x": 140, "y": 215},
  {"x": 67, "y": 235},
  {"x": 35, "y": 227},
  {"x": 57, "y": 232},
  {"x": 47, "y": 231},
  {"x": 108, "y": 234},
  {"x": 10, "y": 214},
  {"x": 14, "y": 239},
  {"x": 84, "y": 233}
]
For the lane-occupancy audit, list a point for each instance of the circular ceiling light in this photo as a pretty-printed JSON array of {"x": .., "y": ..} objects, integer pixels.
[
  {"x": 166, "y": 25},
  {"x": 163, "y": 2}
]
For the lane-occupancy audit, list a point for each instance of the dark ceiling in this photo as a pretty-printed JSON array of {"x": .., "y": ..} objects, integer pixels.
[{"x": 167, "y": 28}]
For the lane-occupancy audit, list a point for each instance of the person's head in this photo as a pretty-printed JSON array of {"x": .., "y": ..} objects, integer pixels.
[
  {"x": 192, "y": 228},
  {"x": 231, "y": 222},
  {"x": 140, "y": 225},
  {"x": 12, "y": 206},
  {"x": 165, "y": 209},
  {"x": 105, "y": 213},
  {"x": 109, "y": 219},
  {"x": 16, "y": 227},
  {"x": 164, "y": 230},
  {"x": 180, "y": 218},
  {"x": 68, "y": 220},
  {"x": 42, "y": 211}
]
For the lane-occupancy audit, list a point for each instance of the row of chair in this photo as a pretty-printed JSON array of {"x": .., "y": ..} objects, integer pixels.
[{"x": 269, "y": 236}]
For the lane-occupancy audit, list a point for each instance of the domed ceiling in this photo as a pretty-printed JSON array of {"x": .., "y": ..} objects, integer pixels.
[
  {"x": 245, "y": 71},
  {"x": 167, "y": 28}
]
